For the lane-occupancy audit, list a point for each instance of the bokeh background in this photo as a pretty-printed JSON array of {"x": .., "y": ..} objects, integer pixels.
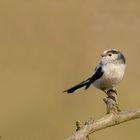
[{"x": 47, "y": 46}]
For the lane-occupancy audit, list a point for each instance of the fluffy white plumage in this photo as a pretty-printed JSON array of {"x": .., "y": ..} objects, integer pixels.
[
  {"x": 113, "y": 74},
  {"x": 108, "y": 73}
]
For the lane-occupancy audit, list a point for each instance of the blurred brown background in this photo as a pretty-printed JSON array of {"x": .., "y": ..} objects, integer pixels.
[{"x": 47, "y": 46}]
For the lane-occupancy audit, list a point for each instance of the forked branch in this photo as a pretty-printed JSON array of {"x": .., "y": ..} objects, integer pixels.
[{"x": 113, "y": 117}]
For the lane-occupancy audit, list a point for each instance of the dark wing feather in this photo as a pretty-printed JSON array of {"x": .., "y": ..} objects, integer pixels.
[
  {"x": 98, "y": 74},
  {"x": 78, "y": 86}
]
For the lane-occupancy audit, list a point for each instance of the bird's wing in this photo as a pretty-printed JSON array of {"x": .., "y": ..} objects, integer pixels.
[{"x": 97, "y": 74}]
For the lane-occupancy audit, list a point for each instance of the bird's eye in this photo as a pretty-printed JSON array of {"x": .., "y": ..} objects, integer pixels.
[{"x": 109, "y": 54}]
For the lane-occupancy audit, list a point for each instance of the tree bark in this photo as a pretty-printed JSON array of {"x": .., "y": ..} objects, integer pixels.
[{"x": 112, "y": 118}]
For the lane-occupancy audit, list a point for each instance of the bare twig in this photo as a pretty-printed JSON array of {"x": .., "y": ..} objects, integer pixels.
[{"x": 112, "y": 118}]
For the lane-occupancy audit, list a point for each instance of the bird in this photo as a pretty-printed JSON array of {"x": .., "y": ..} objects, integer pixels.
[{"x": 107, "y": 74}]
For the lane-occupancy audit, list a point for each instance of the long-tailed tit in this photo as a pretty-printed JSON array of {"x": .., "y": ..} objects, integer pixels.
[{"x": 108, "y": 73}]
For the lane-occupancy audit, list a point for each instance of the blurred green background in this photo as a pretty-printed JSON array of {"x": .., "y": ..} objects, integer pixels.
[{"x": 46, "y": 47}]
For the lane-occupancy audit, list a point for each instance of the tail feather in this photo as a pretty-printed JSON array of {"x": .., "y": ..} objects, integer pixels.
[{"x": 78, "y": 86}]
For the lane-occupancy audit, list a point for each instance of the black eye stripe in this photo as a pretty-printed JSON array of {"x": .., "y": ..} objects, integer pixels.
[
  {"x": 121, "y": 57},
  {"x": 113, "y": 52}
]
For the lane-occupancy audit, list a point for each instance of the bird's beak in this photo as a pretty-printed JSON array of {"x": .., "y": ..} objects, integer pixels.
[{"x": 102, "y": 55}]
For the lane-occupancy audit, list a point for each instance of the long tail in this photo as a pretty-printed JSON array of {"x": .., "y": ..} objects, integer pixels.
[{"x": 78, "y": 86}]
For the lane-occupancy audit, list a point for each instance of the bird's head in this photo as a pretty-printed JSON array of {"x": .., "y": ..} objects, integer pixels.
[{"x": 112, "y": 56}]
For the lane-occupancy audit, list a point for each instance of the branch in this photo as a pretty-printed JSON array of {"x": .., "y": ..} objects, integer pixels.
[{"x": 113, "y": 117}]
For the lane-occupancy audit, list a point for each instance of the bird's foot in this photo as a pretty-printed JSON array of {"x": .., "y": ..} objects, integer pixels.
[{"x": 112, "y": 90}]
